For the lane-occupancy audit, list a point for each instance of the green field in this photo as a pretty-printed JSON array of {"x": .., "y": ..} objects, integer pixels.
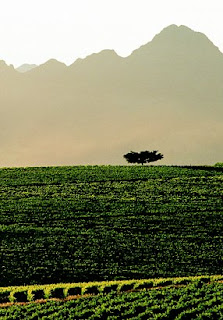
[
  {"x": 176, "y": 299},
  {"x": 91, "y": 223}
]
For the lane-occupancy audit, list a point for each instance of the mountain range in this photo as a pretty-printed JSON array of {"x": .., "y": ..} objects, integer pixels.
[{"x": 166, "y": 96}]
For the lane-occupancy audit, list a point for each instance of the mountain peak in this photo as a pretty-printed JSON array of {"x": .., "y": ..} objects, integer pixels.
[
  {"x": 26, "y": 67},
  {"x": 174, "y": 27},
  {"x": 97, "y": 61},
  {"x": 103, "y": 53},
  {"x": 182, "y": 35},
  {"x": 5, "y": 66},
  {"x": 175, "y": 32},
  {"x": 53, "y": 63},
  {"x": 50, "y": 67},
  {"x": 97, "y": 56},
  {"x": 173, "y": 39}
]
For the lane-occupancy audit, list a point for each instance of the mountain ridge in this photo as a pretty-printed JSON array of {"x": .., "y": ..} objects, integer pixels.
[
  {"x": 169, "y": 30},
  {"x": 98, "y": 108}
]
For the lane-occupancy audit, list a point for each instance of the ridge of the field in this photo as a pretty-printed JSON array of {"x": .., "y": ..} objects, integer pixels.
[
  {"x": 170, "y": 298},
  {"x": 92, "y": 223}
]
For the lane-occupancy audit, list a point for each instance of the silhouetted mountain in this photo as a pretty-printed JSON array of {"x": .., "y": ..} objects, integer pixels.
[
  {"x": 4, "y": 67},
  {"x": 6, "y": 70},
  {"x": 26, "y": 67},
  {"x": 167, "y": 96},
  {"x": 180, "y": 62},
  {"x": 50, "y": 69}
]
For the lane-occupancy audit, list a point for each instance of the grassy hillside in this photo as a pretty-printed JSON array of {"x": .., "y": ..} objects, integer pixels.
[
  {"x": 189, "y": 298},
  {"x": 68, "y": 224}
]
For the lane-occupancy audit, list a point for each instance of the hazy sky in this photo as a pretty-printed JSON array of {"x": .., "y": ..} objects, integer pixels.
[{"x": 33, "y": 31}]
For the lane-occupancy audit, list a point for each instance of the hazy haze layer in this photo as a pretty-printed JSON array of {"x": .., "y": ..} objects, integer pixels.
[{"x": 167, "y": 95}]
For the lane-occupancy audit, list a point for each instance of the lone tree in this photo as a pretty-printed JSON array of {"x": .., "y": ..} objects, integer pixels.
[{"x": 143, "y": 156}]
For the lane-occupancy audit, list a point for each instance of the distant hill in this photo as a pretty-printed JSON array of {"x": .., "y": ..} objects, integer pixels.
[
  {"x": 26, "y": 67},
  {"x": 167, "y": 96}
]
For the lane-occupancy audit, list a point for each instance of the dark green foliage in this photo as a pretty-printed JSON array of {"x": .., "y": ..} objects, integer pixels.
[
  {"x": 57, "y": 293},
  {"x": 145, "y": 285},
  {"x": 4, "y": 296},
  {"x": 91, "y": 290},
  {"x": 143, "y": 157},
  {"x": 38, "y": 294},
  {"x": 72, "y": 224},
  {"x": 164, "y": 283},
  {"x": 110, "y": 288},
  {"x": 167, "y": 303},
  {"x": 74, "y": 291},
  {"x": 204, "y": 279},
  {"x": 200, "y": 282},
  {"x": 21, "y": 296},
  {"x": 182, "y": 281},
  {"x": 219, "y": 164},
  {"x": 127, "y": 287}
]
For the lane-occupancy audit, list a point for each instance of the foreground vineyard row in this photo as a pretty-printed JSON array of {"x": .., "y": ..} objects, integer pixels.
[
  {"x": 195, "y": 300},
  {"x": 63, "y": 290}
]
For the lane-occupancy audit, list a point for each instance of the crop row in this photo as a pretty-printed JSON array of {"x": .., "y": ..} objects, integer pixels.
[
  {"x": 57, "y": 175},
  {"x": 197, "y": 300},
  {"x": 63, "y": 290}
]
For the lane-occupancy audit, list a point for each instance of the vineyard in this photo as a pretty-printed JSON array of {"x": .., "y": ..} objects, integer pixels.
[
  {"x": 92, "y": 223},
  {"x": 178, "y": 299}
]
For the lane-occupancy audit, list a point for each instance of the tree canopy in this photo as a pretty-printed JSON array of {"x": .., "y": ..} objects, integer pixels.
[{"x": 143, "y": 156}]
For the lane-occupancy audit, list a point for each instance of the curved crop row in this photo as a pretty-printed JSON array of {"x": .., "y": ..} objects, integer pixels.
[
  {"x": 194, "y": 301},
  {"x": 64, "y": 290}
]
